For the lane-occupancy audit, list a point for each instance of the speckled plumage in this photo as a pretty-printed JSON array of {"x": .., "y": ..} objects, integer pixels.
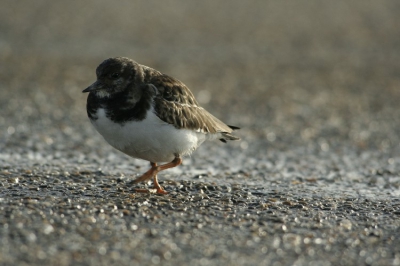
[{"x": 149, "y": 115}]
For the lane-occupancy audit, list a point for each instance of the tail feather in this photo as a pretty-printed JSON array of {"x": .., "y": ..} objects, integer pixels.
[
  {"x": 228, "y": 136},
  {"x": 233, "y": 127}
]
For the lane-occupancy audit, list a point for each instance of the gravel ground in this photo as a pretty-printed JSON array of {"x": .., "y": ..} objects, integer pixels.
[{"x": 315, "y": 87}]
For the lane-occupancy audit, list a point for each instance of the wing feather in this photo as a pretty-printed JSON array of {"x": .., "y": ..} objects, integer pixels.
[{"x": 176, "y": 105}]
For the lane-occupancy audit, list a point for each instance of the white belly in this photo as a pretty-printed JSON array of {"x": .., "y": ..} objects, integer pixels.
[{"x": 150, "y": 139}]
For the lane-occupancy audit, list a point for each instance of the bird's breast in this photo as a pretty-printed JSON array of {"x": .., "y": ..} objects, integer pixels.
[{"x": 149, "y": 139}]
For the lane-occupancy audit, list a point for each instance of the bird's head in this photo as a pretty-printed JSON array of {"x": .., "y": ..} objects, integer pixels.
[{"x": 113, "y": 75}]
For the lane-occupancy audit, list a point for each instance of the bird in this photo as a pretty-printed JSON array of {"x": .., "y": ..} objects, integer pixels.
[{"x": 149, "y": 115}]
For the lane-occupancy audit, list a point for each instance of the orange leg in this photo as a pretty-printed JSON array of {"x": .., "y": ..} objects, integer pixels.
[{"x": 152, "y": 173}]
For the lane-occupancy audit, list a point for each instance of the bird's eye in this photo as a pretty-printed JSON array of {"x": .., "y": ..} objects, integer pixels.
[{"x": 115, "y": 75}]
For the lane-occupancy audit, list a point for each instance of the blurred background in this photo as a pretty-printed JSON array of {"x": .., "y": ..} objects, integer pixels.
[
  {"x": 324, "y": 74},
  {"x": 314, "y": 85}
]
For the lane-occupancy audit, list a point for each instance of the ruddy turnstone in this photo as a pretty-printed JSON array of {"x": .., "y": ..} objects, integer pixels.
[{"x": 149, "y": 115}]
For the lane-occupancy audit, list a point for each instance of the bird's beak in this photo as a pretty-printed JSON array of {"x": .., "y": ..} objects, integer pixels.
[{"x": 92, "y": 87}]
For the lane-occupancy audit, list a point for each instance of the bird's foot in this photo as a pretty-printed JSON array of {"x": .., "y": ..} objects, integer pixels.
[{"x": 159, "y": 190}]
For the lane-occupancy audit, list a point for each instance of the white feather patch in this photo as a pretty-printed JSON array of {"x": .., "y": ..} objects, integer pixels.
[{"x": 150, "y": 139}]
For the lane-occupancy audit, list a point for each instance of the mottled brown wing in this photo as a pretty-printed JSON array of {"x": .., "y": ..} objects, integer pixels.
[{"x": 176, "y": 105}]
